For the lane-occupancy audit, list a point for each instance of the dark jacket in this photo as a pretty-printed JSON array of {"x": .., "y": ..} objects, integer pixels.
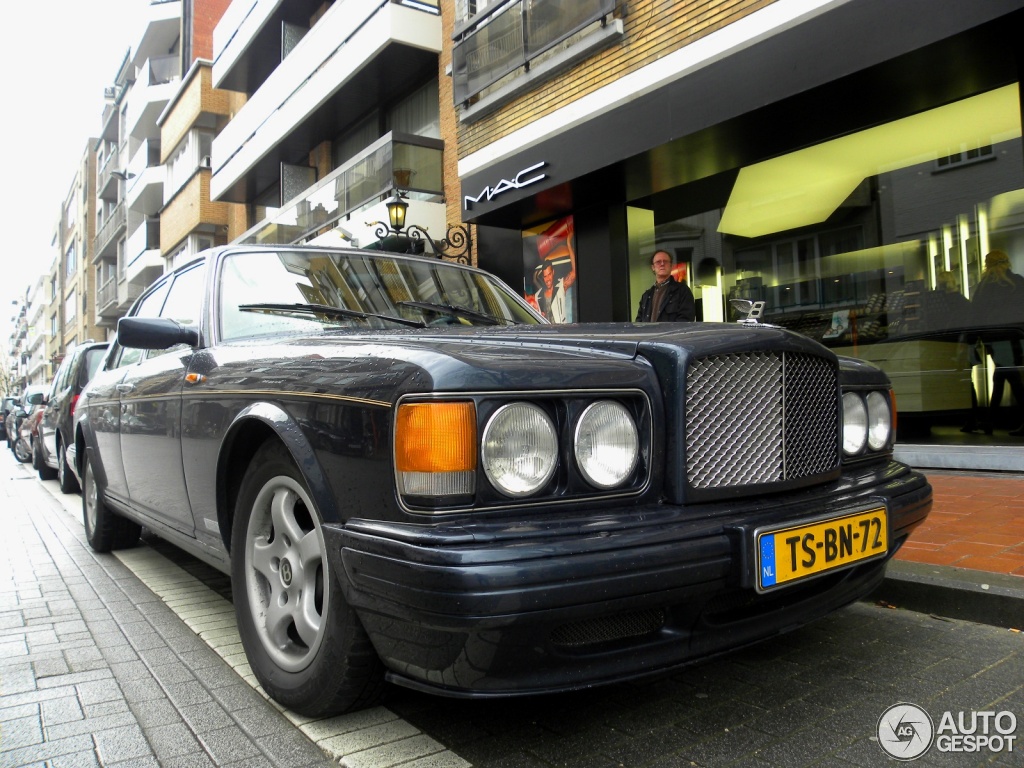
[
  {"x": 677, "y": 305},
  {"x": 998, "y": 302}
]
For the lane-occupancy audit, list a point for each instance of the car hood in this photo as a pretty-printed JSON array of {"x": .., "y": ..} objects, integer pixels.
[
  {"x": 512, "y": 357},
  {"x": 613, "y": 339}
]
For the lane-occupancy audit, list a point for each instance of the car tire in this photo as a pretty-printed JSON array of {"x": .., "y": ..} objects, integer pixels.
[
  {"x": 303, "y": 641},
  {"x": 66, "y": 478},
  {"x": 22, "y": 452},
  {"x": 39, "y": 463},
  {"x": 105, "y": 530}
]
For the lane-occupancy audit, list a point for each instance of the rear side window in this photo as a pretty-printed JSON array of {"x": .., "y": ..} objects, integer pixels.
[
  {"x": 60, "y": 381},
  {"x": 93, "y": 360}
]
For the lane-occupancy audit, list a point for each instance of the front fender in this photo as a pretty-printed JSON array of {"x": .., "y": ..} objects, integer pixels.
[{"x": 249, "y": 429}]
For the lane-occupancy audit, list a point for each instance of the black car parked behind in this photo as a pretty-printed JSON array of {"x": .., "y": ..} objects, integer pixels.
[{"x": 56, "y": 427}]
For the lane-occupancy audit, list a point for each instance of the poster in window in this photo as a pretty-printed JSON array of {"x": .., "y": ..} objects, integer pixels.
[{"x": 549, "y": 266}]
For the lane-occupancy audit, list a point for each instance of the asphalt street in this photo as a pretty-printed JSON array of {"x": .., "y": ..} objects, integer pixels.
[{"x": 102, "y": 663}]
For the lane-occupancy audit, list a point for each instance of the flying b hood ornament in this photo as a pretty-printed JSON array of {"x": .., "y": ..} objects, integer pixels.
[{"x": 751, "y": 310}]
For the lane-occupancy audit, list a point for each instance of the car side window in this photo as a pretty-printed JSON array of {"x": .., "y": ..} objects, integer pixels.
[
  {"x": 149, "y": 306},
  {"x": 93, "y": 360},
  {"x": 184, "y": 303},
  {"x": 60, "y": 380},
  {"x": 185, "y": 300}
]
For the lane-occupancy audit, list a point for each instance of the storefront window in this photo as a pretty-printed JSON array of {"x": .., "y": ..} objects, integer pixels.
[
  {"x": 549, "y": 263},
  {"x": 876, "y": 244}
]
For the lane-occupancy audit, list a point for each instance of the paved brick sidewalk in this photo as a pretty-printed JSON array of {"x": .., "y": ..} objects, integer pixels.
[
  {"x": 976, "y": 522},
  {"x": 127, "y": 659},
  {"x": 97, "y": 670}
]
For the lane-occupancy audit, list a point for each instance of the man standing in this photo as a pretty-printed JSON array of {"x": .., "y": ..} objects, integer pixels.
[{"x": 667, "y": 301}]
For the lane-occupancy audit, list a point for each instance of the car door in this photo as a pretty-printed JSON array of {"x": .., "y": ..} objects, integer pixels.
[
  {"x": 48, "y": 424},
  {"x": 103, "y": 401},
  {"x": 150, "y": 395}
]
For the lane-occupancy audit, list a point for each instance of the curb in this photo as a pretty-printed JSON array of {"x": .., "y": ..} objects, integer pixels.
[{"x": 957, "y": 593}]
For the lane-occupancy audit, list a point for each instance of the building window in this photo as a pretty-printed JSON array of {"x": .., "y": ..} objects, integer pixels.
[
  {"x": 192, "y": 154},
  {"x": 70, "y": 310},
  {"x": 69, "y": 261},
  {"x": 966, "y": 157},
  {"x": 857, "y": 243},
  {"x": 418, "y": 113}
]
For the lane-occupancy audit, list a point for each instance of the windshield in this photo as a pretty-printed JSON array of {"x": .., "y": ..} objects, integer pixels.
[{"x": 272, "y": 292}]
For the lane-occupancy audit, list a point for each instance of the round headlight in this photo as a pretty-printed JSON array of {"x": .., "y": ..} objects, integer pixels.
[
  {"x": 855, "y": 421},
  {"x": 606, "y": 444},
  {"x": 519, "y": 449},
  {"x": 879, "y": 423}
]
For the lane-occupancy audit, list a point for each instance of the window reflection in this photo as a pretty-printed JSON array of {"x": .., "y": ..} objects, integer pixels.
[
  {"x": 387, "y": 289},
  {"x": 875, "y": 244}
]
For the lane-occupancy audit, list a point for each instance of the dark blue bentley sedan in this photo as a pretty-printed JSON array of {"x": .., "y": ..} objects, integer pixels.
[{"x": 412, "y": 478}]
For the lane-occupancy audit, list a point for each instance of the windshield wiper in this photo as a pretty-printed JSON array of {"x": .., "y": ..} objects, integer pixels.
[
  {"x": 449, "y": 309},
  {"x": 325, "y": 309}
]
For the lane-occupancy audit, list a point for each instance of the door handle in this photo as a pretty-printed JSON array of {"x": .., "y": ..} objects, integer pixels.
[{"x": 124, "y": 389}]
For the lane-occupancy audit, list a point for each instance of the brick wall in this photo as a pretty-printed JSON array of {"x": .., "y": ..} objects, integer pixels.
[
  {"x": 449, "y": 121},
  {"x": 206, "y": 14},
  {"x": 653, "y": 28},
  {"x": 195, "y": 98},
  {"x": 189, "y": 208}
]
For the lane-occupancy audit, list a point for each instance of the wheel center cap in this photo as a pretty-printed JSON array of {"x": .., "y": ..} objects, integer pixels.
[{"x": 286, "y": 572}]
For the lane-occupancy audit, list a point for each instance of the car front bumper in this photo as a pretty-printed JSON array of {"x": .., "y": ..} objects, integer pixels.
[{"x": 499, "y": 608}]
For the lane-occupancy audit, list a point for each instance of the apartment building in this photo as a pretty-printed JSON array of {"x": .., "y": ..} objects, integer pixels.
[
  {"x": 27, "y": 353},
  {"x": 190, "y": 220},
  {"x": 76, "y": 279},
  {"x": 56, "y": 314},
  {"x": 152, "y": 190},
  {"x": 15, "y": 368},
  {"x": 842, "y": 161},
  {"x": 35, "y": 350},
  {"x": 130, "y": 175},
  {"x": 54, "y": 301},
  {"x": 342, "y": 110}
]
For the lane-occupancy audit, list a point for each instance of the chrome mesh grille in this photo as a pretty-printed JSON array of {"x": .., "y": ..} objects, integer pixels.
[{"x": 760, "y": 417}]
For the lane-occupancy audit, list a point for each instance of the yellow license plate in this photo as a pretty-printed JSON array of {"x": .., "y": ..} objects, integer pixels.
[{"x": 786, "y": 555}]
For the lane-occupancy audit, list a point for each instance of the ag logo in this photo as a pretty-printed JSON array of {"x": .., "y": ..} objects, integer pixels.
[{"x": 905, "y": 731}]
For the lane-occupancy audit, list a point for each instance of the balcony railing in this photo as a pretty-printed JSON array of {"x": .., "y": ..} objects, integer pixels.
[
  {"x": 504, "y": 37},
  {"x": 111, "y": 228},
  {"x": 163, "y": 70},
  {"x": 106, "y": 296},
  {"x": 412, "y": 163},
  {"x": 110, "y": 164}
]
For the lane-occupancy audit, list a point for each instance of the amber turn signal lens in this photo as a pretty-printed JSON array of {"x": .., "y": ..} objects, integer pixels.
[{"x": 435, "y": 437}]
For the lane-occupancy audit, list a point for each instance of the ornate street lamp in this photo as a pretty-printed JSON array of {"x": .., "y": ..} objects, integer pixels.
[{"x": 455, "y": 245}]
